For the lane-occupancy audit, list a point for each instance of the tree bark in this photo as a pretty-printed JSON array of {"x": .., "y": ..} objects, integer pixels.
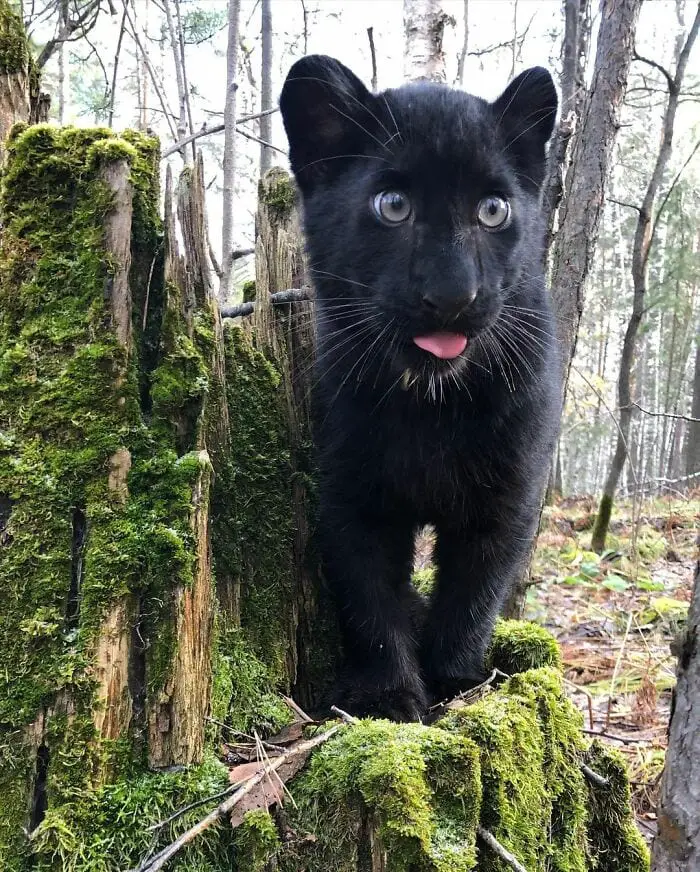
[
  {"x": 677, "y": 844},
  {"x": 586, "y": 179},
  {"x": 424, "y": 25},
  {"x": 229, "y": 185},
  {"x": 643, "y": 240},
  {"x": 266, "y": 87},
  {"x": 462, "y": 59},
  {"x": 692, "y": 449},
  {"x": 577, "y": 29},
  {"x": 581, "y": 205}
]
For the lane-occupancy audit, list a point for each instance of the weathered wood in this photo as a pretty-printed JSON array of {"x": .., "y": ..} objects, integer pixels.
[
  {"x": 677, "y": 844},
  {"x": 177, "y": 717}
]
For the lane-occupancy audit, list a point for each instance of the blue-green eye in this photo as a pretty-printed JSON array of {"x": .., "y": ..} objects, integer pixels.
[
  {"x": 494, "y": 213},
  {"x": 391, "y": 207}
]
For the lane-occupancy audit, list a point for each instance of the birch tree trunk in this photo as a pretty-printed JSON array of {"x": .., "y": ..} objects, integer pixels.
[
  {"x": 643, "y": 240},
  {"x": 266, "y": 86},
  {"x": 229, "y": 185},
  {"x": 424, "y": 25}
]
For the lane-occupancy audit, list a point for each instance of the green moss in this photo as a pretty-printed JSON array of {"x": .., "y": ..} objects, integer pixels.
[
  {"x": 106, "y": 151},
  {"x": 69, "y": 400},
  {"x": 244, "y": 695},
  {"x": 278, "y": 192},
  {"x": 257, "y": 841},
  {"x": 417, "y": 787},
  {"x": 109, "y": 829},
  {"x": 14, "y": 46},
  {"x": 615, "y": 842},
  {"x": 602, "y": 522},
  {"x": 255, "y": 537},
  {"x": 248, "y": 290},
  {"x": 517, "y": 646}
]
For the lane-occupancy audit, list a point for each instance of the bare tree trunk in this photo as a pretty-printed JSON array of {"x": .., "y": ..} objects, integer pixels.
[
  {"x": 229, "y": 186},
  {"x": 692, "y": 449},
  {"x": 424, "y": 25},
  {"x": 266, "y": 87},
  {"x": 115, "y": 70},
  {"x": 581, "y": 208},
  {"x": 677, "y": 844},
  {"x": 643, "y": 239},
  {"x": 586, "y": 179},
  {"x": 573, "y": 95},
  {"x": 514, "y": 44},
  {"x": 178, "y": 59},
  {"x": 461, "y": 61}
]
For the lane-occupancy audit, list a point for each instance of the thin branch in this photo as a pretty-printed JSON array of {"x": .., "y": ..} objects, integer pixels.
[
  {"x": 254, "y": 138},
  {"x": 181, "y": 811},
  {"x": 623, "y": 203},
  {"x": 151, "y": 72},
  {"x": 225, "y": 807},
  {"x": 667, "y": 415},
  {"x": 494, "y": 845},
  {"x": 680, "y": 172},
  {"x": 306, "y": 27},
  {"x": 65, "y": 34},
  {"x": 373, "y": 55},
  {"x": 113, "y": 89},
  {"x": 293, "y": 295},
  {"x": 217, "y": 128},
  {"x": 594, "y": 777},
  {"x": 669, "y": 78}
]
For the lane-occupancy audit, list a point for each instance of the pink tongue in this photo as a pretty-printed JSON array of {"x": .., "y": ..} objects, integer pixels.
[{"x": 443, "y": 345}]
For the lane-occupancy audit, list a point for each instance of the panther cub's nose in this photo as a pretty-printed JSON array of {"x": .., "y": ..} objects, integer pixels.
[{"x": 450, "y": 305}]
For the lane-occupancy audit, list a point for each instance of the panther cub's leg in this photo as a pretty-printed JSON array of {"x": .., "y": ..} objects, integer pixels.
[
  {"x": 475, "y": 569},
  {"x": 367, "y": 561}
]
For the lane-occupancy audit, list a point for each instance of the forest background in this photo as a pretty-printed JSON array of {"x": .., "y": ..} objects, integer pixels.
[{"x": 167, "y": 66}]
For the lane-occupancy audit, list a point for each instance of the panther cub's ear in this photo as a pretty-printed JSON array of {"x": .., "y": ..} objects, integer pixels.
[
  {"x": 327, "y": 113},
  {"x": 525, "y": 113}
]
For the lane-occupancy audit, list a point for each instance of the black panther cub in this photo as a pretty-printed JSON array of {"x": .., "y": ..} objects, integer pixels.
[{"x": 437, "y": 373}]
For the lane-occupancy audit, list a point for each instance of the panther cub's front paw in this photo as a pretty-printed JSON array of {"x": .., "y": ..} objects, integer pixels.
[{"x": 399, "y": 701}]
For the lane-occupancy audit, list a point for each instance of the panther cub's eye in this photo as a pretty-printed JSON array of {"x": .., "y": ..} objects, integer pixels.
[
  {"x": 391, "y": 207},
  {"x": 494, "y": 213}
]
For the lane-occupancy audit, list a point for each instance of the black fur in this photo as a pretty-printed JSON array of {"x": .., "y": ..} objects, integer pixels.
[{"x": 405, "y": 438}]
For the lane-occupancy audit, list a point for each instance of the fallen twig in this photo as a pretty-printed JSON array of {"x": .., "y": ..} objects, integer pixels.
[
  {"x": 594, "y": 777},
  {"x": 293, "y": 295},
  {"x": 498, "y": 849},
  {"x": 287, "y": 700},
  {"x": 179, "y": 813},
  {"x": 435, "y": 710},
  {"x": 349, "y": 719},
  {"x": 626, "y": 740},
  {"x": 227, "y": 806}
]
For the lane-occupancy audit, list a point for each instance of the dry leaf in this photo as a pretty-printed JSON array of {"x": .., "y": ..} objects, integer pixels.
[
  {"x": 269, "y": 791},
  {"x": 244, "y": 771},
  {"x": 290, "y": 733}
]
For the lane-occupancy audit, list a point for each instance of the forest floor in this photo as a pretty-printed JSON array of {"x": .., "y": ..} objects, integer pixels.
[{"x": 616, "y": 617}]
